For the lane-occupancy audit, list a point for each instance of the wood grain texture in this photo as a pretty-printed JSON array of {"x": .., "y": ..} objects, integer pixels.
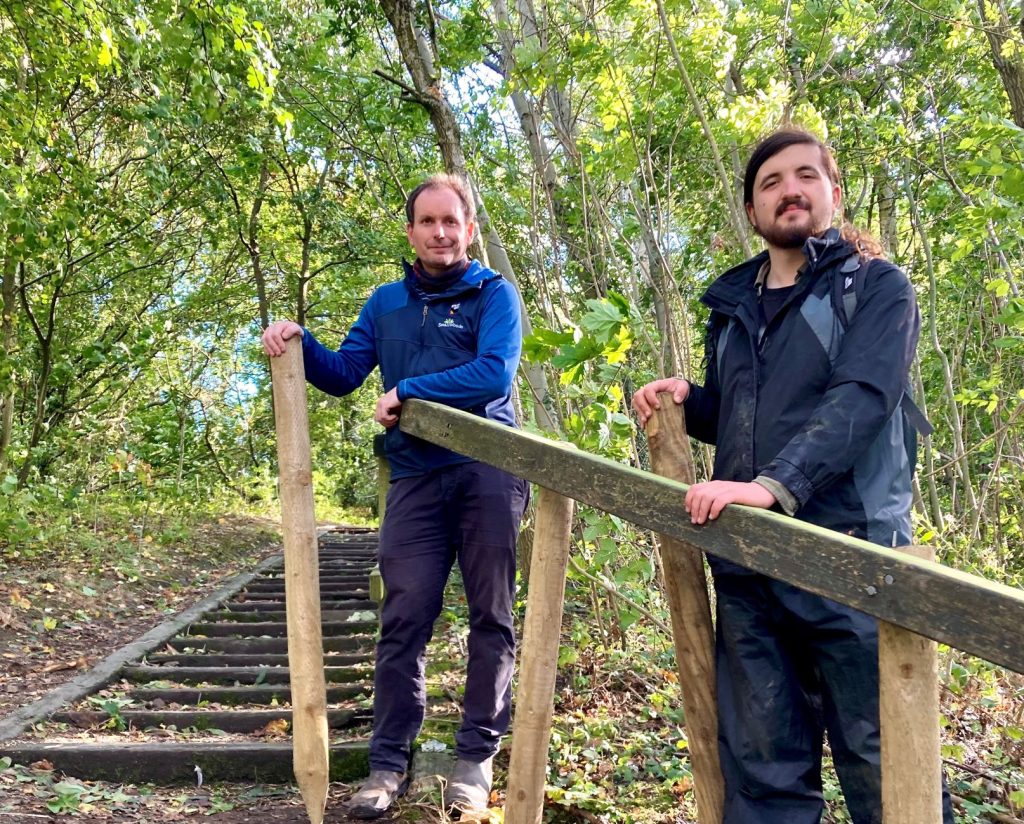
[
  {"x": 692, "y": 629},
  {"x": 536, "y": 693},
  {"x": 302, "y": 584},
  {"x": 909, "y": 709},
  {"x": 946, "y": 605}
]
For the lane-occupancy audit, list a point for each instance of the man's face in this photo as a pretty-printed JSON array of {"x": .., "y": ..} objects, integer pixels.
[
  {"x": 794, "y": 198},
  {"x": 439, "y": 232}
]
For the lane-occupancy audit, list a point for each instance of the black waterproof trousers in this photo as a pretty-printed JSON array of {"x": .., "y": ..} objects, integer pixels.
[
  {"x": 792, "y": 666},
  {"x": 470, "y": 512}
]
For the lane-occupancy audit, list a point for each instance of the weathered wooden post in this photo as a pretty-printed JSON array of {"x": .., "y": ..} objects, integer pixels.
[
  {"x": 536, "y": 694},
  {"x": 909, "y": 709},
  {"x": 688, "y": 602},
  {"x": 383, "y": 482},
  {"x": 302, "y": 582}
]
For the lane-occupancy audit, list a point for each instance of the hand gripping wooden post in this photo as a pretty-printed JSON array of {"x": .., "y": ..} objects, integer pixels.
[
  {"x": 688, "y": 602},
  {"x": 302, "y": 582},
  {"x": 536, "y": 694},
  {"x": 909, "y": 708}
]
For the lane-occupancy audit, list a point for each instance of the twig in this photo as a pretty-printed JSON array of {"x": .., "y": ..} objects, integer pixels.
[
  {"x": 404, "y": 86},
  {"x": 613, "y": 591}
]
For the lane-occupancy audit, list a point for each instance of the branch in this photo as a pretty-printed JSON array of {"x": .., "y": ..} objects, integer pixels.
[
  {"x": 610, "y": 588},
  {"x": 409, "y": 90}
]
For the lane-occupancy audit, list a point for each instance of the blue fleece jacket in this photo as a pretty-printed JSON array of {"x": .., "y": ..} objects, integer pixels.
[{"x": 459, "y": 347}]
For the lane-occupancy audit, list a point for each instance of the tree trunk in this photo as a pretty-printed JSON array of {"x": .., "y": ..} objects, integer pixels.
[
  {"x": 1006, "y": 56},
  {"x": 7, "y": 345},
  {"x": 955, "y": 421},
  {"x": 734, "y": 209},
  {"x": 558, "y": 201},
  {"x": 417, "y": 56},
  {"x": 252, "y": 246},
  {"x": 8, "y": 294}
]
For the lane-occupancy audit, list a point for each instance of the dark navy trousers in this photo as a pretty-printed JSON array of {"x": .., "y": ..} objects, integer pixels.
[
  {"x": 469, "y": 512},
  {"x": 792, "y": 665}
]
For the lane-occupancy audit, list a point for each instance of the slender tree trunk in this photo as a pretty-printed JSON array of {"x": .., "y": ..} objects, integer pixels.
[
  {"x": 252, "y": 246},
  {"x": 887, "y": 228},
  {"x": 935, "y": 506},
  {"x": 734, "y": 209},
  {"x": 955, "y": 421},
  {"x": 417, "y": 55},
  {"x": 8, "y": 292},
  {"x": 1004, "y": 36}
]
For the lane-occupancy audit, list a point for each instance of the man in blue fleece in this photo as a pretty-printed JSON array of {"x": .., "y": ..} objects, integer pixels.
[{"x": 449, "y": 331}]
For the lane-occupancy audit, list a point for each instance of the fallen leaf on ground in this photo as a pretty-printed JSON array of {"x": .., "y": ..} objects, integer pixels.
[{"x": 277, "y": 728}]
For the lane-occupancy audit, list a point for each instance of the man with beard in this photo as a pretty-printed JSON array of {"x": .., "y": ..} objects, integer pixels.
[
  {"x": 449, "y": 331},
  {"x": 804, "y": 398}
]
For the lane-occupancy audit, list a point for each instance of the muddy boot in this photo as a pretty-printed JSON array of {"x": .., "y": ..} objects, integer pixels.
[
  {"x": 377, "y": 794},
  {"x": 470, "y": 787}
]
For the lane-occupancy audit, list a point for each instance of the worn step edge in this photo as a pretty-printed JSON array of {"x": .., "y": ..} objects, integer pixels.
[
  {"x": 22, "y": 718},
  {"x": 326, "y": 595},
  {"x": 170, "y": 763},
  {"x": 264, "y": 616},
  {"x": 139, "y": 674},
  {"x": 350, "y": 578},
  {"x": 267, "y": 660},
  {"x": 240, "y": 695},
  {"x": 241, "y": 629},
  {"x": 326, "y": 605},
  {"x": 235, "y": 721},
  {"x": 254, "y": 646}
]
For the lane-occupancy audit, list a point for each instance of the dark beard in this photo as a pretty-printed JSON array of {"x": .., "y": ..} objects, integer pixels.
[{"x": 793, "y": 237}]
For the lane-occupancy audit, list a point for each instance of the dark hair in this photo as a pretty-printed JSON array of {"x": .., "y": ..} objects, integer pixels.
[
  {"x": 775, "y": 143},
  {"x": 443, "y": 181}
]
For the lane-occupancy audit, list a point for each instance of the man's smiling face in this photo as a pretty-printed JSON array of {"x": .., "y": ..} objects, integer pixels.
[
  {"x": 793, "y": 197},
  {"x": 439, "y": 232}
]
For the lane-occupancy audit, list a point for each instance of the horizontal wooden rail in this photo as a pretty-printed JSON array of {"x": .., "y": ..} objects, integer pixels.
[{"x": 964, "y": 611}]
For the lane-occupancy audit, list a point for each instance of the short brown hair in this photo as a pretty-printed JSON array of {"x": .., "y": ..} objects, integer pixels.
[{"x": 443, "y": 181}]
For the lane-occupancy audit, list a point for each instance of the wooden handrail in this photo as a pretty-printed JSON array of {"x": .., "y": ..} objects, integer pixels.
[{"x": 964, "y": 611}]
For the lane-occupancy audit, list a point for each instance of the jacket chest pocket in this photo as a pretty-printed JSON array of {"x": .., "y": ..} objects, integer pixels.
[{"x": 448, "y": 325}]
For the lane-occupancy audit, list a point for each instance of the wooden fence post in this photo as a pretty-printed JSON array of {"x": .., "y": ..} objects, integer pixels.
[
  {"x": 536, "y": 693},
  {"x": 302, "y": 582},
  {"x": 909, "y": 708},
  {"x": 383, "y": 482},
  {"x": 692, "y": 630}
]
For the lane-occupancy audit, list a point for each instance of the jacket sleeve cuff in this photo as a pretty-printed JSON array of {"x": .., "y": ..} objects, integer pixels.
[{"x": 785, "y": 498}]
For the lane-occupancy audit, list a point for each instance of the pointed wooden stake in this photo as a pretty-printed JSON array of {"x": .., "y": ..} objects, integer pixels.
[
  {"x": 908, "y": 681},
  {"x": 536, "y": 693},
  {"x": 302, "y": 582},
  {"x": 692, "y": 630}
]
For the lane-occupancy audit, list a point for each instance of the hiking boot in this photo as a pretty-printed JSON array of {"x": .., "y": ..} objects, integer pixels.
[
  {"x": 377, "y": 794},
  {"x": 470, "y": 787}
]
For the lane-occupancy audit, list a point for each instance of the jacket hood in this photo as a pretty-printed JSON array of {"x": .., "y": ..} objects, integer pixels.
[
  {"x": 732, "y": 287},
  {"x": 475, "y": 276}
]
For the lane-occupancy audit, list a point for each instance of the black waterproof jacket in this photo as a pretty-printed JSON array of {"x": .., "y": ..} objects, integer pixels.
[{"x": 809, "y": 401}]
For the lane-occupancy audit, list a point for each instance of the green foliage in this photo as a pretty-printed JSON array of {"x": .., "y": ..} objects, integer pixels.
[
  {"x": 172, "y": 175},
  {"x": 112, "y": 706}
]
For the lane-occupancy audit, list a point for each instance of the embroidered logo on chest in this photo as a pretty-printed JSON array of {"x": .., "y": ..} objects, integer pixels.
[{"x": 450, "y": 322}]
